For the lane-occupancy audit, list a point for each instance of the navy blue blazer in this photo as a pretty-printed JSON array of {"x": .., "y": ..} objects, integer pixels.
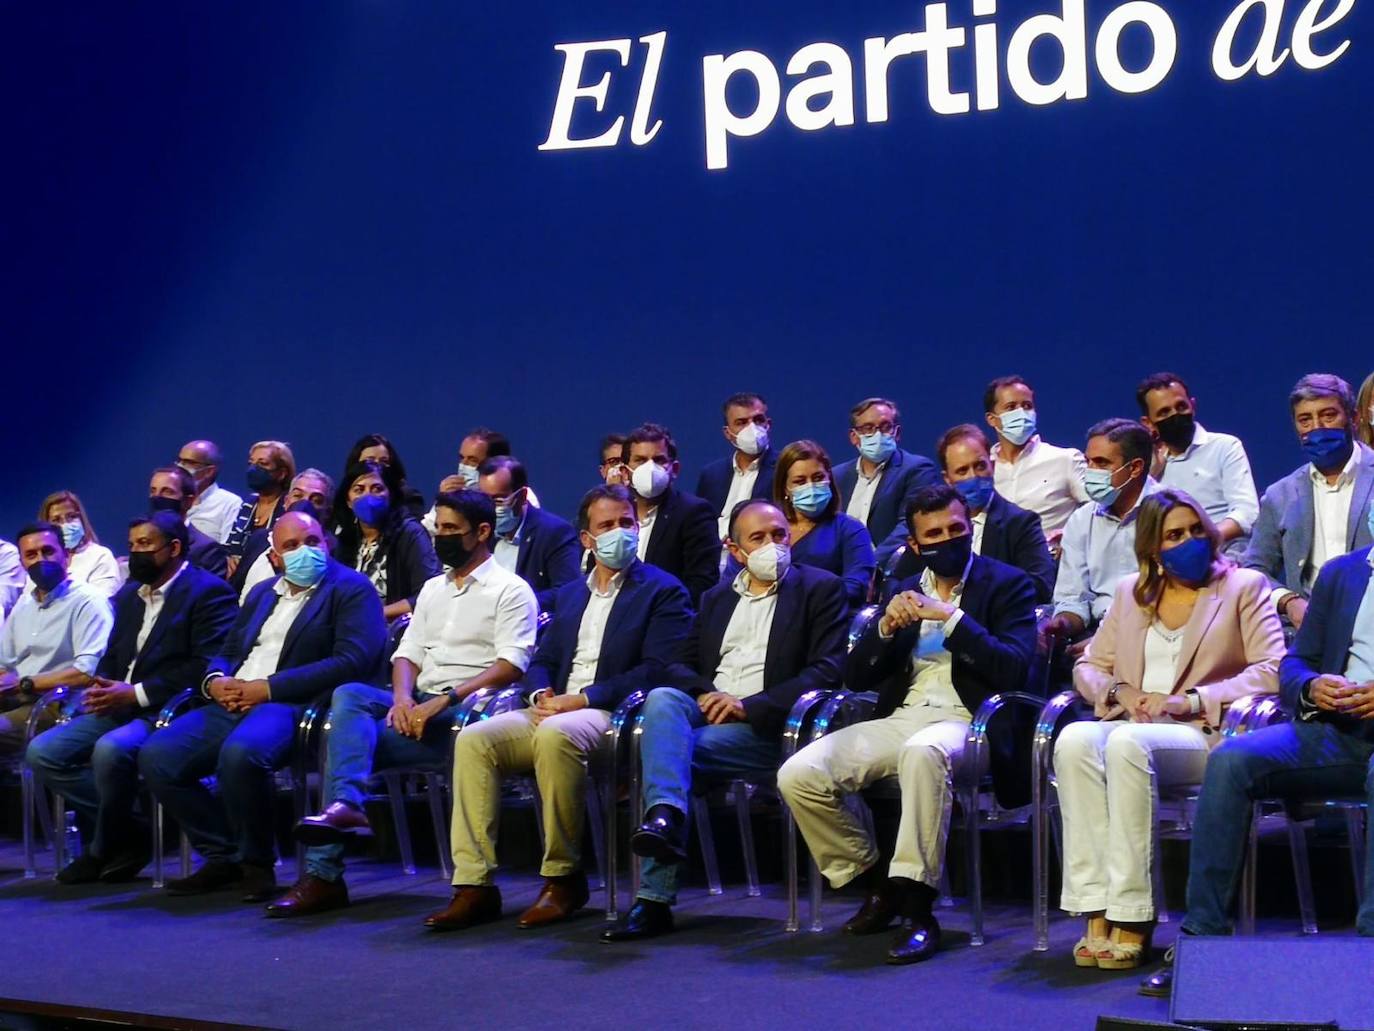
[
  {"x": 840, "y": 546},
  {"x": 805, "y": 645},
  {"x": 649, "y": 620},
  {"x": 207, "y": 553},
  {"x": 1010, "y": 534},
  {"x": 196, "y": 614},
  {"x": 1322, "y": 644},
  {"x": 338, "y": 637},
  {"x": 549, "y": 554},
  {"x": 905, "y": 473},
  {"x": 684, "y": 543},
  {"x": 713, "y": 485}
]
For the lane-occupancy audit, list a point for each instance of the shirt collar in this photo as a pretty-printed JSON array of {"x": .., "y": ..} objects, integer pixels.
[
  {"x": 519, "y": 530},
  {"x": 283, "y": 589},
  {"x": 146, "y": 592},
  {"x": 741, "y": 587},
  {"x": 751, "y": 467},
  {"x": 1347, "y": 472},
  {"x": 479, "y": 574},
  {"x": 1030, "y": 446},
  {"x": 1200, "y": 437},
  {"x": 617, "y": 582},
  {"x": 1151, "y": 486},
  {"x": 56, "y": 594},
  {"x": 928, "y": 581}
]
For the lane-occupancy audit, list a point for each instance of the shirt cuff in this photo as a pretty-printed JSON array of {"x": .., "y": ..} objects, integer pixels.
[
  {"x": 86, "y": 664},
  {"x": 141, "y": 695},
  {"x": 953, "y": 621},
  {"x": 1307, "y": 709},
  {"x": 1279, "y": 595},
  {"x": 205, "y": 684},
  {"x": 517, "y": 657}
]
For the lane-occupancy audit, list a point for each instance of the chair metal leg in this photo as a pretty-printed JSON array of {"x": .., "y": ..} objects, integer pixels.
[
  {"x": 974, "y": 859},
  {"x": 1302, "y": 874},
  {"x": 813, "y": 885},
  {"x": 158, "y": 880},
  {"x": 185, "y": 855},
  {"x": 300, "y": 799},
  {"x": 1354, "y": 829},
  {"x": 434, "y": 795},
  {"x": 59, "y": 838},
  {"x": 1249, "y": 877},
  {"x": 398, "y": 817},
  {"x": 30, "y": 806},
  {"x": 612, "y": 845},
  {"x": 595, "y": 821},
  {"x": 746, "y": 836},
  {"x": 1156, "y": 866},
  {"x": 1040, "y": 862},
  {"x": 636, "y": 800},
  {"x": 701, "y": 813},
  {"x": 789, "y": 866}
]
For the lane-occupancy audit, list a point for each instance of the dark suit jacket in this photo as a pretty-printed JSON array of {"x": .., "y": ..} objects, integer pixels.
[
  {"x": 805, "y": 645},
  {"x": 684, "y": 542},
  {"x": 196, "y": 614},
  {"x": 1010, "y": 535},
  {"x": 338, "y": 637},
  {"x": 207, "y": 553},
  {"x": 1322, "y": 644},
  {"x": 905, "y": 473},
  {"x": 410, "y": 561},
  {"x": 713, "y": 485},
  {"x": 992, "y": 645},
  {"x": 649, "y": 620},
  {"x": 549, "y": 553},
  {"x": 839, "y": 545}
]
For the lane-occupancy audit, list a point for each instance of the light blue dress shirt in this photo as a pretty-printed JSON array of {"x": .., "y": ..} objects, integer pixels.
[
  {"x": 70, "y": 628},
  {"x": 1216, "y": 471},
  {"x": 1099, "y": 549},
  {"x": 1359, "y": 667}
]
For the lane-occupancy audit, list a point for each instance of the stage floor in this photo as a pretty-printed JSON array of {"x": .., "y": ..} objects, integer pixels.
[{"x": 730, "y": 964}]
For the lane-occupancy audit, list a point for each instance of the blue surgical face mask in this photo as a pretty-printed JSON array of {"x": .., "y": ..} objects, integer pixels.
[
  {"x": 977, "y": 491},
  {"x": 617, "y": 548},
  {"x": 507, "y": 520},
  {"x": 305, "y": 566},
  {"x": 1190, "y": 561},
  {"x": 1328, "y": 449},
  {"x": 811, "y": 499},
  {"x": 1018, "y": 425},
  {"x": 877, "y": 447},
  {"x": 469, "y": 475},
  {"x": 1098, "y": 484},
  {"x": 371, "y": 509},
  {"x": 260, "y": 479},
  {"x": 73, "y": 534}
]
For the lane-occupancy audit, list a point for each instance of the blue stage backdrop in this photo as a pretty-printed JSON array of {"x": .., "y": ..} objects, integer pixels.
[{"x": 306, "y": 221}]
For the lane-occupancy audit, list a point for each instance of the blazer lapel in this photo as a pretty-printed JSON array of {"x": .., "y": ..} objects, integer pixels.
[
  {"x": 171, "y": 603},
  {"x": 1300, "y": 523},
  {"x": 1359, "y": 499},
  {"x": 787, "y": 611},
  {"x": 1203, "y": 615},
  {"x": 313, "y": 604}
]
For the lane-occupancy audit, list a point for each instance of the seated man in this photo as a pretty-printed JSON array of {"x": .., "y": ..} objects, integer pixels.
[
  {"x": 475, "y": 448},
  {"x": 170, "y": 620},
  {"x": 1001, "y": 530},
  {"x": 312, "y": 492},
  {"x": 215, "y": 509},
  {"x": 1327, "y": 682},
  {"x": 963, "y": 607},
  {"x": 760, "y": 641},
  {"x": 1320, "y": 510},
  {"x": 472, "y": 628},
  {"x": 316, "y": 626},
  {"x": 173, "y": 489},
  {"x": 1212, "y": 467},
  {"x": 748, "y": 472},
  {"x": 1099, "y": 539},
  {"x": 877, "y": 485},
  {"x": 677, "y": 530},
  {"x": 612, "y": 634},
  {"x": 54, "y": 637},
  {"x": 534, "y": 544}
]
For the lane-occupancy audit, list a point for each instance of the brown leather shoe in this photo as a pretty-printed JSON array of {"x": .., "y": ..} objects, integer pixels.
[
  {"x": 339, "y": 822},
  {"x": 881, "y": 905},
  {"x": 310, "y": 895},
  {"x": 471, "y": 905},
  {"x": 559, "y": 899}
]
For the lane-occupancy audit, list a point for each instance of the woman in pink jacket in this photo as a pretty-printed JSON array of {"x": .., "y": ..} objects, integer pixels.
[{"x": 1186, "y": 636}]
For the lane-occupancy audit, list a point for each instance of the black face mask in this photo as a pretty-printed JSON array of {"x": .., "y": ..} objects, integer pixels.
[
  {"x": 1177, "y": 430},
  {"x": 161, "y": 504},
  {"x": 46, "y": 575},
  {"x": 144, "y": 567},
  {"x": 451, "y": 550},
  {"x": 948, "y": 559}
]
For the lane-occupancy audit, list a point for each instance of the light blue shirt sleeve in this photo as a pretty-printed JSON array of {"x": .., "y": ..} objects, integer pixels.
[
  {"x": 1238, "y": 485},
  {"x": 1071, "y": 589}
]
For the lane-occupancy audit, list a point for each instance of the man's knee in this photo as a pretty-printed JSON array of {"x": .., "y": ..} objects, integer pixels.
[
  {"x": 41, "y": 753},
  {"x": 239, "y": 757},
  {"x": 923, "y": 758},
  {"x": 800, "y": 777},
  {"x": 666, "y": 699},
  {"x": 474, "y": 744},
  {"x": 112, "y": 756},
  {"x": 351, "y": 698}
]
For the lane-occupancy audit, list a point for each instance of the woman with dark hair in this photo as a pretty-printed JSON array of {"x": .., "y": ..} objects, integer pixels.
[
  {"x": 373, "y": 447},
  {"x": 1186, "y": 636},
  {"x": 378, "y": 537}
]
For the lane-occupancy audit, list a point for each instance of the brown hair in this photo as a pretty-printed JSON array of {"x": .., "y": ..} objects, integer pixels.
[
  {"x": 1149, "y": 534},
  {"x": 56, "y": 498},
  {"x": 802, "y": 451}
]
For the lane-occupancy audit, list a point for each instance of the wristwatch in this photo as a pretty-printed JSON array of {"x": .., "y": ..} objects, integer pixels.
[
  {"x": 1111, "y": 692},
  {"x": 26, "y": 685}
]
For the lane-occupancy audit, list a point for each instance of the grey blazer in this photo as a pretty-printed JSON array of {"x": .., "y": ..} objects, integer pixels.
[{"x": 1282, "y": 540}]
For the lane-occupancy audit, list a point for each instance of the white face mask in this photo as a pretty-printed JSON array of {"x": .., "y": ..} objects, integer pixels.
[
  {"x": 753, "y": 439},
  {"x": 770, "y": 562},
  {"x": 650, "y": 480}
]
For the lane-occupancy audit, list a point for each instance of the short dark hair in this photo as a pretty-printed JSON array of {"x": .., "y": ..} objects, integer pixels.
[
  {"x": 963, "y": 431},
  {"x": 40, "y": 526},
  {"x": 649, "y": 433},
  {"x": 1000, "y": 383},
  {"x": 743, "y": 506},
  {"x": 744, "y": 399},
  {"x": 169, "y": 524},
  {"x": 935, "y": 497},
  {"x": 496, "y": 442},
  {"x": 473, "y": 505},
  {"x": 869, "y": 402},
  {"x": 185, "y": 480},
  {"x": 601, "y": 492},
  {"x": 1133, "y": 439},
  {"x": 615, "y": 440},
  {"x": 518, "y": 476},
  {"x": 1323, "y": 384},
  {"x": 1157, "y": 381}
]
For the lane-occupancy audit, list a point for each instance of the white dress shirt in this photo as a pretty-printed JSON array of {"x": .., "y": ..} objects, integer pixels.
[
  {"x": 214, "y": 512},
  {"x": 260, "y": 570},
  {"x": 263, "y": 660},
  {"x": 1215, "y": 470},
  {"x": 1331, "y": 516},
  {"x": 932, "y": 664},
  {"x": 865, "y": 490},
  {"x": 1045, "y": 479},
  {"x": 980, "y": 522},
  {"x": 591, "y": 632},
  {"x": 646, "y": 530},
  {"x": 744, "y": 648},
  {"x": 96, "y": 566},
  {"x": 152, "y": 608},
  {"x": 741, "y": 489},
  {"x": 460, "y": 628}
]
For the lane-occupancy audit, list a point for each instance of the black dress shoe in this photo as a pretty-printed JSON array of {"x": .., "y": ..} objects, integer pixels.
[
  {"x": 259, "y": 883},
  {"x": 1160, "y": 984},
  {"x": 645, "y": 919},
  {"x": 661, "y": 835},
  {"x": 919, "y": 939},
  {"x": 881, "y": 905},
  {"x": 127, "y": 864},
  {"x": 84, "y": 869},
  {"x": 213, "y": 876}
]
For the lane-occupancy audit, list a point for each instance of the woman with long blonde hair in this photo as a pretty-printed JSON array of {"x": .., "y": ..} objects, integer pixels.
[{"x": 91, "y": 562}]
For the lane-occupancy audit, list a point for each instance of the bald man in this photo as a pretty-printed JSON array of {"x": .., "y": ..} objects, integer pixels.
[
  {"x": 214, "y": 509},
  {"x": 298, "y": 636}
]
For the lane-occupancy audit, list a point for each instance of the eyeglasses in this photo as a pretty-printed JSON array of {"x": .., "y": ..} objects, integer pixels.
[{"x": 867, "y": 429}]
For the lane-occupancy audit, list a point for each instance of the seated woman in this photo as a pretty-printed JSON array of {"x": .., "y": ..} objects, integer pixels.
[
  {"x": 822, "y": 535},
  {"x": 373, "y": 447},
  {"x": 1186, "y": 636},
  {"x": 271, "y": 468},
  {"x": 91, "y": 562},
  {"x": 379, "y": 538}
]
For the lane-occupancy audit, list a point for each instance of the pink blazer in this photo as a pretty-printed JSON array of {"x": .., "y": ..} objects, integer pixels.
[{"x": 1232, "y": 645}]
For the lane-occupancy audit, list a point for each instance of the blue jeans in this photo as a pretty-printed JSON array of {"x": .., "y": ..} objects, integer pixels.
[
  {"x": 92, "y": 762},
  {"x": 242, "y": 751},
  {"x": 360, "y": 743},
  {"x": 1297, "y": 760},
  {"x": 677, "y": 745}
]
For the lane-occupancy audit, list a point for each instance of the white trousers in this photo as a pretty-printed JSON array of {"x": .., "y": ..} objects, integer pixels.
[
  {"x": 1109, "y": 775},
  {"x": 919, "y": 745}
]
